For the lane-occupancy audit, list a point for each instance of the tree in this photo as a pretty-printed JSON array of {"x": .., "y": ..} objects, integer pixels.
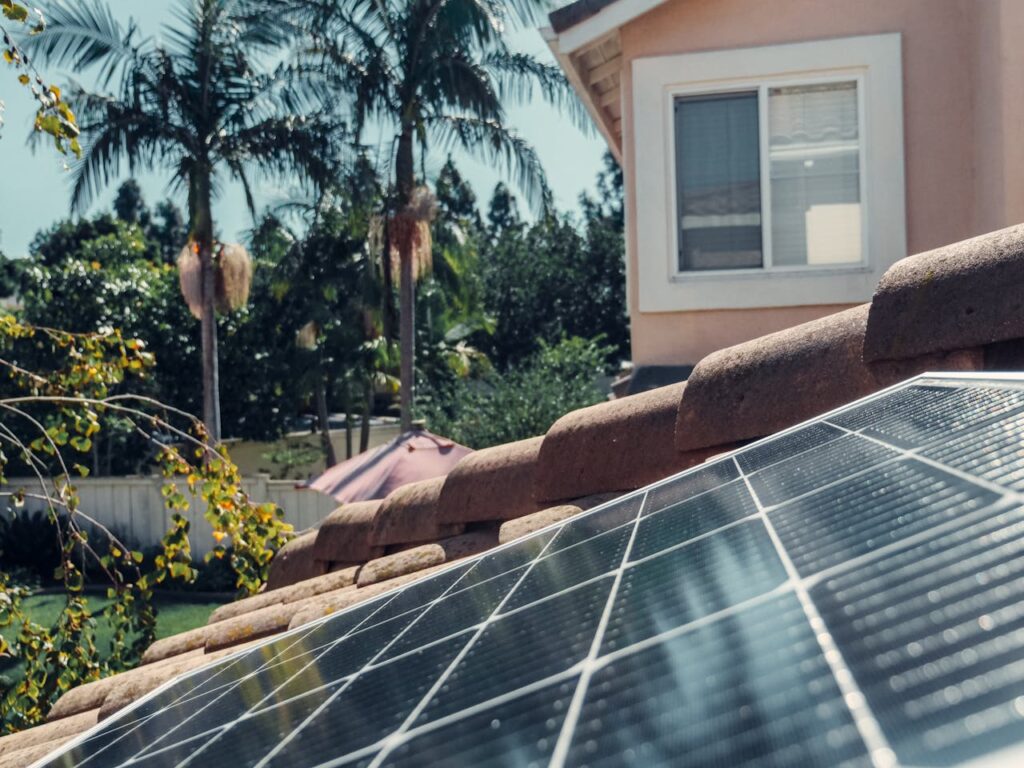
[
  {"x": 51, "y": 417},
  {"x": 553, "y": 279},
  {"x": 439, "y": 73},
  {"x": 198, "y": 103}
]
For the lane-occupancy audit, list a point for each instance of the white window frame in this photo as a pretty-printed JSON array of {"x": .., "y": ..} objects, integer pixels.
[{"x": 874, "y": 63}]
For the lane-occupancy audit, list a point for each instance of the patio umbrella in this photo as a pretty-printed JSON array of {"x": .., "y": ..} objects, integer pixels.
[{"x": 412, "y": 456}]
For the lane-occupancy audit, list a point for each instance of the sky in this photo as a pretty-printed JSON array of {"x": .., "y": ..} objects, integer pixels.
[{"x": 35, "y": 188}]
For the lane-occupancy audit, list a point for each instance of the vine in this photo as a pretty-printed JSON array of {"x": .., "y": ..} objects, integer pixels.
[
  {"x": 53, "y": 114},
  {"x": 47, "y": 421}
]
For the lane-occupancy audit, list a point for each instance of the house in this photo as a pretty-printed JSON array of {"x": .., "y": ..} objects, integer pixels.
[{"x": 780, "y": 156}]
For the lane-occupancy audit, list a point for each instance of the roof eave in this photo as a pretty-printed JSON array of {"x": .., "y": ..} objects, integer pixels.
[
  {"x": 604, "y": 22},
  {"x": 600, "y": 118}
]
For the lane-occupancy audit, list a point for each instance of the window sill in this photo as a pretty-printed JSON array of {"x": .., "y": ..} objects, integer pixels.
[{"x": 775, "y": 273}]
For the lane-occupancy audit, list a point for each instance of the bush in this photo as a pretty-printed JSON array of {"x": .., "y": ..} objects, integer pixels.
[
  {"x": 29, "y": 545},
  {"x": 522, "y": 401}
]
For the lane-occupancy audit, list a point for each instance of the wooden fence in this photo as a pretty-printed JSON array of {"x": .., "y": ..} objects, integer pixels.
[{"x": 133, "y": 507}]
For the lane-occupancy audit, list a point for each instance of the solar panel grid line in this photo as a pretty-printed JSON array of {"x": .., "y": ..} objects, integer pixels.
[
  {"x": 160, "y": 690},
  {"x": 299, "y": 634},
  {"x": 396, "y": 737},
  {"x": 881, "y": 753},
  {"x": 229, "y": 688},
  {"x": 693, "y": 625},
  {"x": 814, "y": 579},
  {"x": 456, "y": 717},
  {"x": 1008, "y": 498},
  {"x": 422, "y": 611},
  {"x": 699, "y": 537},
  {"x": 572, "y": 715},
  {"x": 842, "y": 478},
  {"x": 1003, "y": 490},
  {"x": 773, "y": 439}
]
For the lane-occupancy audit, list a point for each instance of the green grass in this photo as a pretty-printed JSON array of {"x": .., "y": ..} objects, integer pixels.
[{"x": 175, "y": 613}]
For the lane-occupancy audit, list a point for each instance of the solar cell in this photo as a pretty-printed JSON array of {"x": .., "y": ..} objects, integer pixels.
[{"x": 848, "y": 593}]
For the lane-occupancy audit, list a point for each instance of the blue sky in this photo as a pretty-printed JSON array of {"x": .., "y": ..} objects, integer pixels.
[{"x": 34, "y": 187}]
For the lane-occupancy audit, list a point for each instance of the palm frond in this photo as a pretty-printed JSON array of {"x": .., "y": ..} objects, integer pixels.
[
  {"x": 494, "y": 142},
  {"x": 85, "y": 33},
  {"x": 519, "y": 74}
]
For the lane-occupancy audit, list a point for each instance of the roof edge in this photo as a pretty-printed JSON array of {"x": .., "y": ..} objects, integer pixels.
[
  {"x": 585, "y": 21},
  {"x": 575, "y": 79}
]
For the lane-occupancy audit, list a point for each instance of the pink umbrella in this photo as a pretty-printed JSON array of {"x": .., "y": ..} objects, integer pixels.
[{"x": 412, "y": 456}]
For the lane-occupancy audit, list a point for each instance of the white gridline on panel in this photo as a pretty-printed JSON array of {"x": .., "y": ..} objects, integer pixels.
[
  {"x": 943, "y": 380},
  {"x": 383, "y": 599},
  {"x": 351, "y": 677}
]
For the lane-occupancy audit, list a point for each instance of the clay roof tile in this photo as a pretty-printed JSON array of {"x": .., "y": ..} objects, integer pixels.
[
  {"x": 619, "y": 445},
  {"x": 317, "y": 585},
  {"x": 773, "y": 382},
  {"x": 295, "y": 562},
  {"x": 955, "y": 297},
  {"x": 492, "y": 484},
  {"x": 408, "y": 514},
  {"x": 344, "y": 535}
]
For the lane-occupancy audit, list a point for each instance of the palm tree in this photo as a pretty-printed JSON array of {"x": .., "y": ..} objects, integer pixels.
[
  {"x": 438, "y": 73},
  {"x": 198, "y": 103}
]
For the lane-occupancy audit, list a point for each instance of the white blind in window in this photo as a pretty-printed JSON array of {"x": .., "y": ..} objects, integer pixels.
[{"x": 814, "y": 151}]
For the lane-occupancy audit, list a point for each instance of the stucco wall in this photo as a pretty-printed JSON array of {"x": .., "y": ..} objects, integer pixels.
[{"x": 963, "y": 123}]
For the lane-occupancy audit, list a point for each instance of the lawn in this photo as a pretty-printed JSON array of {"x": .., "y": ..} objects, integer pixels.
[{"x": 175, "y": 613}]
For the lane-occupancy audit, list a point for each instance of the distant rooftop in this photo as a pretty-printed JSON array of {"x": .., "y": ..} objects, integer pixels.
[{"x": 573, "y": 13}]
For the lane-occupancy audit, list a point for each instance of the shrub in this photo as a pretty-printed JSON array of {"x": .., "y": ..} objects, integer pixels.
[{"x": 523, "y": 400}]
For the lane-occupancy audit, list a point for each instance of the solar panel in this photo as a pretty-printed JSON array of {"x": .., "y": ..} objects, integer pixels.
[{"x": 847, "y": 593}]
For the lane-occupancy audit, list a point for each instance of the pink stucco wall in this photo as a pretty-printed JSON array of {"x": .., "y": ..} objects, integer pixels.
[{"x": 963, "y": 69}]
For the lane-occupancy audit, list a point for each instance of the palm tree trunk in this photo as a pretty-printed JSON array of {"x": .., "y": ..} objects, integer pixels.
[
  {"x": 405, "y": 173},
  {"x": 348, "y": 418},
  {"x": 325, "y": 425},
  {"x": 364, "y": 420},
  {"x": 202, "y": 226}
]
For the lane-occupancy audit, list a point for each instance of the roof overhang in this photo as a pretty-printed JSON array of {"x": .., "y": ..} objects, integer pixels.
[{"x": 584, "y": 38}]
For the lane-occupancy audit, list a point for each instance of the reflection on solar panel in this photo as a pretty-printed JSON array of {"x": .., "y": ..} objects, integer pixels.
[{"x": 849, "y": 593}]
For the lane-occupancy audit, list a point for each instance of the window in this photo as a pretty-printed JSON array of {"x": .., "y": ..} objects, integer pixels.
[
  {"x": 767, "y": 177},
  {"x": 808, "y": 214}
]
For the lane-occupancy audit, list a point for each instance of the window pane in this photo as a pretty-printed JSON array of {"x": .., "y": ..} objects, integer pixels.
[
  {"x": 718, "y": 185},
  {"x": 814, "y": 149}
]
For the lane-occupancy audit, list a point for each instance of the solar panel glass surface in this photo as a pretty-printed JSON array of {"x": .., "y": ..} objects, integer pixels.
[{"x": 846, "y": 593}]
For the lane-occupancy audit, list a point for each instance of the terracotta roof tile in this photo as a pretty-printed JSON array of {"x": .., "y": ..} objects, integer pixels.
[
  {"x": 344, "y": 535},
  {"x": 619, "y": 445},
  {"x": 408, "y": 514},
  {"x": 48, "y": 732},
  {"x": 959, "y": 296},
  {"x": 92, "y": 695},
  {"x": 247, "y": 627},
  {"x": 22, "y": 757},
  {"x": 515, "y": 529},
  {"x": 426, "y": 556},
  {"x": 317, "y": 585},
  {"x": 773, "y": 382},
  {"x": 491, "y": 484},
  {"x": 324, "y": 605},
  {"x": 295, "y": 562}
]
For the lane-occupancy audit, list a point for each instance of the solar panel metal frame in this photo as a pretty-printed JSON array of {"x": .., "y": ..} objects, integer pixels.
[{"x": 867, "y": 726}]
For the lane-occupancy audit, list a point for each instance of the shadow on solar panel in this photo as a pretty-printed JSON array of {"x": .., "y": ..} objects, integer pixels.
[{"x": 846, "y": 593}]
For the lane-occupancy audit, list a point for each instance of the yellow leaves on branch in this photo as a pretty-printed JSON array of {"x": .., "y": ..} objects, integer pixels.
[{"x": 53, "y": 115}]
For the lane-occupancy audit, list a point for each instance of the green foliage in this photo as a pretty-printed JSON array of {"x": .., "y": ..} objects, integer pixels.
[
  {"x": 548, "y": 280},
  {"x": 29, "y": 545},
  {"x": 51, "y": 421},
  {"x": 53, "y": 115},
  {"x": 522, "y": 401}
]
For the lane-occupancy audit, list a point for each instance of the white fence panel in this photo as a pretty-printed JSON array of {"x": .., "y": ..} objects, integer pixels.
[{"x": 133, "y": 507}]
